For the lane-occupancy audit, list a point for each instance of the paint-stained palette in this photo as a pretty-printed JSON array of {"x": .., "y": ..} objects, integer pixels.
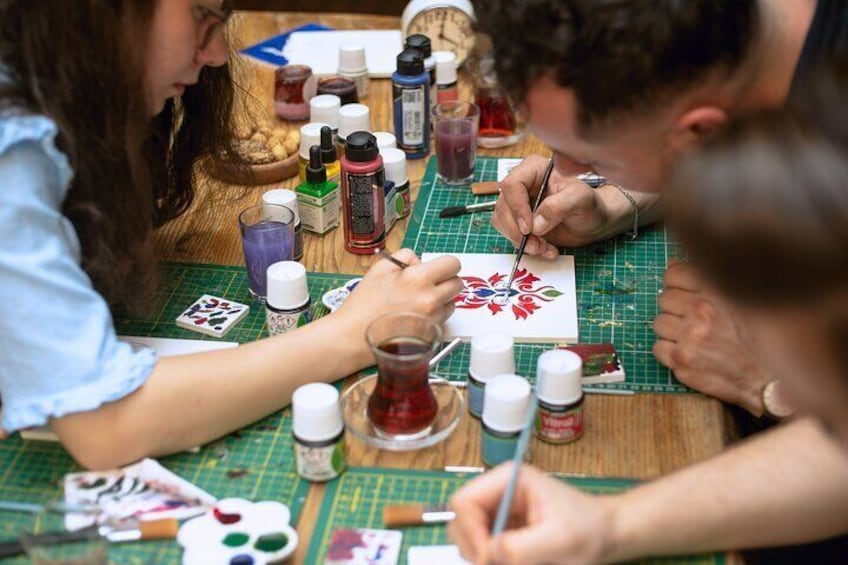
[{"x": 541, "y": 305}]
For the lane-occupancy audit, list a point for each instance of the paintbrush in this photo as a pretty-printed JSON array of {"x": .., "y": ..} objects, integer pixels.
[
  {"x": 445, "y": 351},
  {"x": 131, "y": 530},
  {"x": 520, "y": 451},
  {"x": 388, "y": 256},
  {"x": 402, "y": 515},
  {"x": 524, "y": 239},
  {"x": 452, "y": 211},
  {"x": 54, "y": 507}
]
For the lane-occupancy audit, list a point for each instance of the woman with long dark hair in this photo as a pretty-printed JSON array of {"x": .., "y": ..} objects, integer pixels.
[{"x": 107, "y": 109}]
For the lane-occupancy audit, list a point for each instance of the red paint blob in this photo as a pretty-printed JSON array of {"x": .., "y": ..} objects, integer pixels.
[{"x": 226, "y": 518}]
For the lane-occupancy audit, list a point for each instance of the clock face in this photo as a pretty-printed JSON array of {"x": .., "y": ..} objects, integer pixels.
[{"x": 448, "y": 28}]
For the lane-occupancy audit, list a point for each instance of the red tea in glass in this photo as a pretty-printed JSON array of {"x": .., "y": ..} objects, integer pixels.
[
  {"x": 402, "y": 405},
  {"x": 498, "y": 124}
]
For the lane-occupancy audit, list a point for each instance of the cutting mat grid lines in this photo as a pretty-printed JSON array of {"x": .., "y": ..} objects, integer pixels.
[
  {"x": 357, "y": 498},
  {"x": 618, "y": 281},
  {"x": 255, "y": 463}
]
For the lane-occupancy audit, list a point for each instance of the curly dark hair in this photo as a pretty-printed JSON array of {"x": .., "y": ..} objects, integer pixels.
[
  {"x": 80, "y": 63},
  {"x": 618, "y": 55}
]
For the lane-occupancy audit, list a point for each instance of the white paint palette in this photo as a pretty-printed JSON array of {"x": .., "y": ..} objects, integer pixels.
[
  {"x": 239, "y": 532},
  {"x": 540, "y": 307}
]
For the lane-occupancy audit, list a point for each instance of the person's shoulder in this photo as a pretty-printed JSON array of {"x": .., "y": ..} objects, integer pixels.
[{"x": 28, "y": 141}]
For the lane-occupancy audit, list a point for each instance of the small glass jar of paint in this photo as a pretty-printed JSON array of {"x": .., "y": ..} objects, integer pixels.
[
  {"x": 352, "y": 117},
  {"x": 394, "y": 161},
  {"x": 318, "y": 431},
  {"x": 352, "y": 65},
  {"x": 294, "y": 86},
  {"x": 288, "y": 198},
  {"x": 446, "y": 88},
  {"x": 342, "y": 87},
  {"x": 559, "y": 389},
  {"x": 287, "y": 304},
  {"x": 324, "y": 109},
  {"x": 491, "y": 355},
  {"x": 505, "y": 408}
]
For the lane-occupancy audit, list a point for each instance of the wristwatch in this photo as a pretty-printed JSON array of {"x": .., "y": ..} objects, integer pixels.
[{"x": 774, "y": 404}]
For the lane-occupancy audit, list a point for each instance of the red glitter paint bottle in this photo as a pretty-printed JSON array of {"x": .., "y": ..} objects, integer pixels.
[{"x": 363, "y": 195}]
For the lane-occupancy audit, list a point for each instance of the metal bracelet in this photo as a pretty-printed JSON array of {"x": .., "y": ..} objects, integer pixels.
[{"x": 634, "y": 233}]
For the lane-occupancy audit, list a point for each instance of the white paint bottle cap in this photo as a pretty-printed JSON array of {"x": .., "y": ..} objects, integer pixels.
[
  {"x": 491, "y": 354},
  {"x": 385, "y": 139},
  {"x": 310, "y": 135},
  {"x": 505, "y": 403},
  {"x": 324, "y": 108},
  {"x": 287, "y": 289},
  {"x": 352, "y": 58},
  {"x": 282, "y": 197},
  {"x": 354, "y": 117},
  {"x": 316, "y": 415},
  {"x": 445, "y": 67},
  {"x": 559, "y": 375},
  {"x": 394, "y": 161}
]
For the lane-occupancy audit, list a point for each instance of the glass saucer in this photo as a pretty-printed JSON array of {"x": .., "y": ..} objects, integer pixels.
[{"x": 354, "y": 404}]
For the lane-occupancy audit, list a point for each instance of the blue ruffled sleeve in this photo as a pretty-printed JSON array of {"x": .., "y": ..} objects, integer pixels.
[{"x": 59, "y": 353}]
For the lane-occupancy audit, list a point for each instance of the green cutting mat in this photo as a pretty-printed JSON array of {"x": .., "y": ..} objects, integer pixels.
[
  {"x": 617, "y": 281},
  {"x": 357, "y": 498},
  {"x": 255, "y": 463}
]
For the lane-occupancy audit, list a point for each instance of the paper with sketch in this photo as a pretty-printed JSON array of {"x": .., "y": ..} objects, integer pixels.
[{"x": 540, "y": 307}]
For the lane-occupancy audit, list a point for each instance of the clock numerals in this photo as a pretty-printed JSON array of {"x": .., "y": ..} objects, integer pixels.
[{"x": 449, "y": 29}]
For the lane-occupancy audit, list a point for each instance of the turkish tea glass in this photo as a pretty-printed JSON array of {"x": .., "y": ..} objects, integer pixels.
[{"x": 403, "y": 406}]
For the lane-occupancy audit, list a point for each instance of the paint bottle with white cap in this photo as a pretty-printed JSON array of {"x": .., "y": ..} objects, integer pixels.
[
  {"x": 287, "y": 304},
  {"x": 288, "y": 198},
  {"x": 397, "y": 196},
  {"x": 318, "y": 431},
  {"x": 446, "y": 89},
  {"x": 352, "y": 117},
  {"x": 491, "y": 355},
  {"x": 559, "y": 389},
  {"x": 352, "y": 65},
  {"x": 385, "y": 139},
  {"x": 508, "y": 398},
  {"x": 324, "y": 109}
]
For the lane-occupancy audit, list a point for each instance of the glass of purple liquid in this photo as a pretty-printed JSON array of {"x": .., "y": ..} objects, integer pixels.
[
  {"x": 267, "y": 236},
  {"x": 456, "y": 123}
]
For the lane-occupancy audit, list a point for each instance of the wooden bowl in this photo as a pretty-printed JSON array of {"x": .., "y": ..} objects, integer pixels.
[{"x": 265, "y": 173}]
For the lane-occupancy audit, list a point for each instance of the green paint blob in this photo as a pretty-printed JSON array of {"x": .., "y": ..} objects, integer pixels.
[
  {"x": 271, "y": 542},
  {"x": 236, "y": 539}
]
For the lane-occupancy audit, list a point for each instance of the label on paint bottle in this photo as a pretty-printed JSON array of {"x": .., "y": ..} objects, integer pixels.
[
  {"x": 282, "y": 321},
  {"x": 476, "y": 394},
  {"x": 559, "y": 424},
  {"x": 412, "y": 101},
  {"x": 320, "y": 462},
  {"x": 366, "y": 200},
  {"x": 499, "y": 447}
]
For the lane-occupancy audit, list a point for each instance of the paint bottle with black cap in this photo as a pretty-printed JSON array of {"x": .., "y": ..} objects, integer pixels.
[
  {"x": 317, "y": 198},
  {"x": 411, "y": 104},
  {"x": 363, "y": 195}
]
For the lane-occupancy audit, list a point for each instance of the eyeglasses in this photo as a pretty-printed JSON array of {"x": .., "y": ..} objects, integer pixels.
[{"x": 211, "y": 20}]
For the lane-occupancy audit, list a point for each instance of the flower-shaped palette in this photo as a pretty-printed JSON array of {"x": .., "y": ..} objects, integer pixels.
[{"x": 239, "y": 532}]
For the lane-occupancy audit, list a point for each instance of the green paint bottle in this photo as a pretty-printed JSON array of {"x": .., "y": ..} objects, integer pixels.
[{"x": 318, "y": 198}]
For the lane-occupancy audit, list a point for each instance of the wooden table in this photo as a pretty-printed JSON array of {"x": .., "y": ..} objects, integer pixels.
[{"x": 627, "y": 436}]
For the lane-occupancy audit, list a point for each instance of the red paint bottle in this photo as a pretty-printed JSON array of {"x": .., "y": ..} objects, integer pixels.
[{"x": 363, "y": 194}]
